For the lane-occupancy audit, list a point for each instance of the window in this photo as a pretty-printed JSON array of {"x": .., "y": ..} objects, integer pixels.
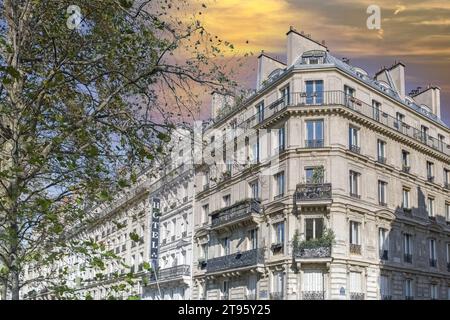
[
  {"x": 349, "y": 96},
  {"x": 448, "y": 256},
  {"x": 260, "y": 111},
  {"x": 376, "y": 110},
  {"x": 225, "y": 246},
  {"x": 253, "y": 236},
  {"x": 447, "y": 211},
  {"x": 355, "y": 233},
  {"x": 227, "y": 200},
  {"x": 447, "y": 178},
  {"x": 354, "y": 184},
  {"x": 278, "y": 285},
  {"x": 430, "y": 171},
  {"x": 407, "y": 247},
  {"x": 279, "y": 233},
  {"x": 205, "y": 213},
  {"x": 385, "y": 288},
  {"x": 400, "y": 119},
  {"x": 356, "y": 290},
  {"x": 433, "y": 258},
  {"x": 279, "y": 179},
  {"x": 313, "y": 228},
  {"x": 430, "y": 207},
  {"x": 314, "y": 134},
  {"x": 312, "y": 175},
  {"x": 382, "y": 186},
  {"x": 405, "y": 161},
  {"x": 383, "y": 236},
  {"x": 281, "y": 139},
  {"x": 409, "y": 289},
  {"x": 204, "y": 251},
  {"x": 353, "y": 139},
  {"x": 434, "y": 292},
  {"x": 312, "y": 285},
  {"x": 424, "y": 133},
  {"x": 254, "y": 190},
  {"x": 285, "y": 95},
  {"x": 314, "y": 92},
  {"x": 405, "y": 198},
  {"x": 225, "y": 289},
  {"x": 441, "y": 139},
  {"x": 381, "y": 149}
]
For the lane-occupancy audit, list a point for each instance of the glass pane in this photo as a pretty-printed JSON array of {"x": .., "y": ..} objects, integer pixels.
[
  {"x": 309, "y": 229},
  {"x": 319, "y": 228}
]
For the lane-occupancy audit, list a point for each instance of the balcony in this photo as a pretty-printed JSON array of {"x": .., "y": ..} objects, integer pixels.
[
  {"x": 381, "y": 160},
  {"x": 432, "y": 218},
  {"x": 278, "y": 197},
  {"x": 407, "y": 211},
  {"x": 313, "y": 192},
  {"x": 313, "y": 144},
  {"x": 277, "y": 247},
  {"x": 357, "y": 296},
  {"x": 237, "y": 212},
  {"x": 276, "y": 296},
  {"x": 406, "y": 169},
  {"x": 430, "y": 179},
  {"x": 312, "y": 253},
  {"x": 433, "y": 263},
  {"x": 236, "y": 260},
  {"x": 447, "y": 185},
  {"x": 386, "y": 297},
  {"x": 382, "y": 203},
  {"x": 355, "y": 149},
  {"x": 313, "y": 295},
  {"x": 407, "y": 257},
  {"x": 355, "y": 248},
  {"x": 172, "y": 273},
  {"x": 384, "y": 255}
]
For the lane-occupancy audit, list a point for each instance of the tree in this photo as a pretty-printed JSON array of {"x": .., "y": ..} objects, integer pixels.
[{"x": 89, "y": 92}]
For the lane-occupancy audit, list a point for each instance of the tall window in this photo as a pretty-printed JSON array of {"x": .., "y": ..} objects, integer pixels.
[
  {"x": 376, "y": 109},
  {"x": 433, "y": 258},
  {"x": 441, "y": 139},
  {"x": 381, "y": 150},
  {"x": 434, "y": 292},
  {"x": 447, "y": 211},
  {"x": 285, "y": 95},
  {"x": 314, "y": 92},
  {"x": 448, "y": 255},
  {"x": 405, "y": 197},
  {"x": 353, "y": 139},
  {"x": 385, "y": 288},
  {"x": 260, "y": 111},
  {"x": 314, "y": 228},
  {"x": 424, "y": 133},
  {"x": 400, "y": 119},
  {"x": 407, "y": 247},
  {"x": 278, "y": 285},
  {"x": 409, "y": 289},
  {"x": 430, "y": 207},
  {"x": 430, "y": 171},
  {"x": 382, "y": 186},
  {"x": 349, "y": 96},
  {"x": 204, "y": 251},
  {"x": 205, "y": 213},
  {"x": 354, "y": 184},
  {"x": 225, "y": 289},
  {"x": 253, "y": 237},
  {"x": 226, "y": 246},
  {"x": 356, "y": 289},
  {"x": 405, "y": 161},
  {"x": 254, "y": 190},
  {"x": 312, "y": 176},
  {"x": 227, "y": 200},
  {"x": 447, "y": 178},
  {"x": 314, "y": 134},
  {"x": 383, "y": 236},
  {"x": 281, "y": 139},
  {"x": 279, "y": 179},
  {"x": 255, "y": 150},
  {"x": 355, "y": 230},
  {"x": 279, "y": 233}
]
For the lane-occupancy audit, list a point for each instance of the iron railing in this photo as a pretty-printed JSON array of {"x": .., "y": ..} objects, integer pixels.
[
  {"x": 384, "y": 255},
  {"x": 313, "y": 191},
  {"x": 312, "y": 253},
  {"x": 318, "y": 143},
  {"x": 276, "y": 296},
  {"x": 235, "y": 212},
  {"x": 407, "y": 257},
  {"x": 357, "y": 296},
  {"x": 313, "y": 295},
  {"x": 236, "y": 260},
  {"x": 355, "y": 248},
  {"x": 172, "y": 272}
]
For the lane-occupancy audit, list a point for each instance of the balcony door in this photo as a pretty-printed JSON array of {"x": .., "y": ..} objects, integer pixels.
[
  {"x": 314, "y": 134},
  {"x": 251, "y": 289},
  {"x": 313, "y": 285},
  {"x": 314, "y": 92}
]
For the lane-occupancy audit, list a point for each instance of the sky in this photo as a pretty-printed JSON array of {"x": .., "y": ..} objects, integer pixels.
[{"x": 415, "y": 32}]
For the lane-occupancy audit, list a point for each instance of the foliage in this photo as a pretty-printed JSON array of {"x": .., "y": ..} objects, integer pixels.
[{"x": 326, "y": 240}]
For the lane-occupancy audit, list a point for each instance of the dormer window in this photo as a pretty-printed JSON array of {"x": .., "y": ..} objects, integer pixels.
[{"x": 313, "y": 57}]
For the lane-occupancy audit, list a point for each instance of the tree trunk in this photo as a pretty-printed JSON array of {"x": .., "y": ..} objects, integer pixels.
[{"x": 15, "y": 285}]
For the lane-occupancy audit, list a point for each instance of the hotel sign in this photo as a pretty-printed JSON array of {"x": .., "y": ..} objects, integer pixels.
[{"x": 154, "y": 236}]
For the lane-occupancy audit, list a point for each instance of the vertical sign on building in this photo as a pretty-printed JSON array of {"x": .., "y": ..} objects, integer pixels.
[{"x": 154, "y": 236}]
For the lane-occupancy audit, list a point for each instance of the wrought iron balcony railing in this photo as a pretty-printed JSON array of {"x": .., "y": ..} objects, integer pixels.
[
  {"x": 278, "y": 196},
  {"x": 357, "y": 296},
  {"x": 312, "y": 253},
  {"x": 312, "y": 144},
  {"x": 276, "y": 296},
  {"x": 386, "y": 297},
  {"x": 235, "y": 212},
  {"x": 447, "y": 185},
  {"x": 172, "y": 272},
  {"x": 381, "y": 160},
  {"x": 355, "y": 149},
  {"x": 355, "y": 195},
  {"x": 384, "y": 255},
  {"x": 433, "y": 263},
  {"x": 313, "y": 295},
  {"x": 430, "y": 178},
  {"x": 355, "y": 248},
  {"x": 236, "y": 260},
  {"x": 332, "y": 98},
  {"x": 406, "y": 169},
  {"x": 313, "y": 191}
]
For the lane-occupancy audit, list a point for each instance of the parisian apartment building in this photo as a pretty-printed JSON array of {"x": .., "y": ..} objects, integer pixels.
[{"x": 324, "y": 183}]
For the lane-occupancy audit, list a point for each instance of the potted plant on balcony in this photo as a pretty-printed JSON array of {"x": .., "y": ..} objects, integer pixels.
[{"x": 317, "y": 248}]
